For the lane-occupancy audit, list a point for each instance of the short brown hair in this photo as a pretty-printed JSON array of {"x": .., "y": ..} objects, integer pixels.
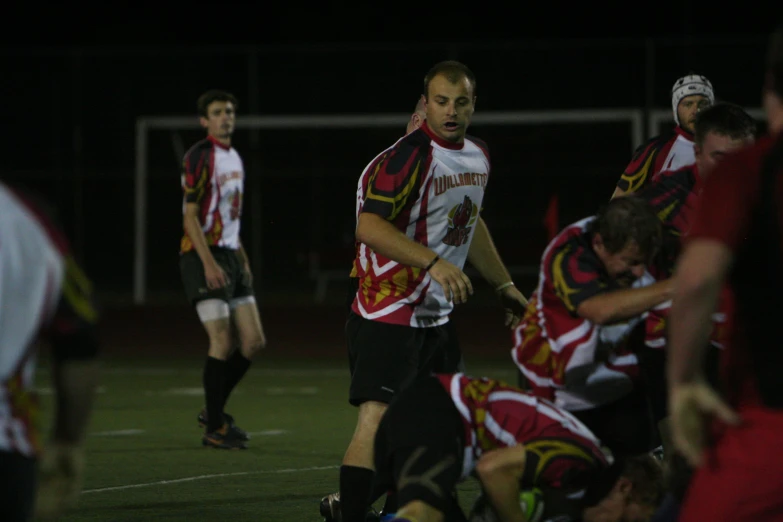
[
  {"x": 453, "y": 70},
  {"x": 211, "y": 96},
  {"x": 726, "y": 119},
  {"x": 628, "y": 219},
  {"x": 646, "y": 476}
]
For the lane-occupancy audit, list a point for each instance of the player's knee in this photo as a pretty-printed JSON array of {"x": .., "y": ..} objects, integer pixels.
[
  {"x": 220, "y": 344},
  {"x": 370, "y": 414},
  {"x": 215, "y": 316},
  {"x": 252, "y": 345}
]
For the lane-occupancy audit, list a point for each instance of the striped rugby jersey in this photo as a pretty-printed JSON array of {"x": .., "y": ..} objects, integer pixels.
[
  {"x": 552, "y": 339},
  {"x": 43, "y": 293},
  {"x": 561, "y": 452},
  {"x": 213, "y": 176},
  {"x": 431, "y": 190},
  {"x": 665, "y": 152}
]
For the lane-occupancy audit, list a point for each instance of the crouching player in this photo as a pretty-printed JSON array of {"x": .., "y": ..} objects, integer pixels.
[
  {"x": 447, "y": 427},
  {"x": 576, "y": 345}
]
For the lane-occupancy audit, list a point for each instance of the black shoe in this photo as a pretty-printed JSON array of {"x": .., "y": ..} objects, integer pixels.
[
  {"x": 330, "y": 508},
  {"x": 223, "y": 438},
  {"x": 238, "y": 432}
]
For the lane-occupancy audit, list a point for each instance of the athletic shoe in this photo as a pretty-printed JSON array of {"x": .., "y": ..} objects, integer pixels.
[
  {"x": 238, "y": 432},
  {"x": 223, "y": 438},
  {"x": 330, "y": 508}
]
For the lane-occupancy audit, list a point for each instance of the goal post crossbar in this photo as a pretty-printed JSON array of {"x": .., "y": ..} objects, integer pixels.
[{"x": 634, "y": 117}]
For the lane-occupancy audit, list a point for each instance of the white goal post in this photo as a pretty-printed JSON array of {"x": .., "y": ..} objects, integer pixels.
[
  {"x": 634, "y": 118},
  {"x": 659, "y": 116}
]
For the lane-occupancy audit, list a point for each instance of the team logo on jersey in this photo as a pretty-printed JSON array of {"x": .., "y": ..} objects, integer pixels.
[
  {"x": 236, "y": 204},
  {"x": 461, "y": 221}
]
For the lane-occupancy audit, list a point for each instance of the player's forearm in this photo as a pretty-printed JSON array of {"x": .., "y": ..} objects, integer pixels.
[
  {"x": 193, "y": 229},
  {"x": 485, "y": 258},
  {"x": 385, "y": 239},
  {"x": 75, "y": 382},
  {"x": 500, "y": 472},
  {"x": 624, "y": 304},
  {"x": 690, "y": 324},
  {"x": 503, "y": 491}
]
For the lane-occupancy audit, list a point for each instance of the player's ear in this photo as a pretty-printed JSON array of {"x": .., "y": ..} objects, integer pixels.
[
  {"x": 623, "y": 486},
  {"x": 598, "y": 241},
  {"x": 203, "y": 121}
]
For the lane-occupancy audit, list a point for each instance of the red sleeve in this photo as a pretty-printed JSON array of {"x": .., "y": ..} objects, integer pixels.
[
  {"x": 725, "y": 206},
  {"x": 395, "y": 178},
  {"x": 197, "y": 171}
]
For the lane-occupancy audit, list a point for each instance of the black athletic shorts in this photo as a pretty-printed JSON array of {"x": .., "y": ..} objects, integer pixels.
[
  {"x": 420, "y": 447},
  {"x": 386, "y": 358},
  {"x": 18, "y": 477},
  {"x": 192, "y": 272},
  {"x": 455, "y": 362}
]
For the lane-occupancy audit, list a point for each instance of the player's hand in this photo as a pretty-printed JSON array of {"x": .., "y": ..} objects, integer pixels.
[
  {"x": 216, "y": 277},
  {"x": 514, "y": 304},
  {"x": 692, "y": 407},
  {"x": 59, "y": 481},
  {"x": 455, "y": 283}
]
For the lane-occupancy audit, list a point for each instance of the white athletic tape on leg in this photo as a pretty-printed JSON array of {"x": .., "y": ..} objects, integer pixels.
[
  {"x": 239, "y": 301},
  {"x": 212, "y": 310}
]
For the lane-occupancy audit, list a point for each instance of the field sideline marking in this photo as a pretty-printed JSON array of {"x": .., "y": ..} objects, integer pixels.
[
  {"x": 116, "y": 433},
  {"x": 270, "y": 372},
  {"x": 205, "y": 477}
]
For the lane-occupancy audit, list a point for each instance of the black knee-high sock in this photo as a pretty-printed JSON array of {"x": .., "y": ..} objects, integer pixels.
[
  {"x": 236, "y": 367},
  {"x": 355, "y": 490},
  {"x": 214, "y": 383}
]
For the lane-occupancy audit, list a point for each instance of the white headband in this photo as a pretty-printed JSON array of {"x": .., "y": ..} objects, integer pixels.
[{"x": 688, "y": 86}]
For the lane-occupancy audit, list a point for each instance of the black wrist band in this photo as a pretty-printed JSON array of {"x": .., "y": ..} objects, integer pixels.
[{"x": 432, "y": 263}]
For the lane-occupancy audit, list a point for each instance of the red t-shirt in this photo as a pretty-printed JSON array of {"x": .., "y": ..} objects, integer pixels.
[{"x": 724, "y": 214}]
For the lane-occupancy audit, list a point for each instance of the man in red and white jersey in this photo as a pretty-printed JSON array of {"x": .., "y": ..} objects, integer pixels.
[
  {"x": 45, "y": 296},
  {"x": 736, "y": 241},
  {"x": 419, "y": 222},
  {"x": 214, "y": 266},
  {"x": 719, "y": 130},
  {"x": 454, "y": 360},
  {"x": 575, "y": 344},
  {"x": 690, "y": 94},
  {"x": 359, "y": 260},
  {"x": 447, "y": 427}
]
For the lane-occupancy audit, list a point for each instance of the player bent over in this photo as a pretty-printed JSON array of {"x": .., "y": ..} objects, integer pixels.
[{"x": 447, "y": 427}]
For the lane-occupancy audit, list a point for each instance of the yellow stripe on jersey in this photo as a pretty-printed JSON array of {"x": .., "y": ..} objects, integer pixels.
[
  {"x": 559, "y": 282},
  {"x": 548, "y": 450},
  {"x": 199, "y": 188},
  {"x": 77, "y": 290},
  {"x": 25, "y": 407},
  {"x": 638, "y": 178},
  {"x": 398, "y": 201},
  {"x": 663, "y": 215}
]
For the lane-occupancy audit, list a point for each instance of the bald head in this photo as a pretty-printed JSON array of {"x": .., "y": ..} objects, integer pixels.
[{"x": 418, "y": 116}]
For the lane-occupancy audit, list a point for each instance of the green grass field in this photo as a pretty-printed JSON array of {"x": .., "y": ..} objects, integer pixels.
[{"x": 144, "y": 455}]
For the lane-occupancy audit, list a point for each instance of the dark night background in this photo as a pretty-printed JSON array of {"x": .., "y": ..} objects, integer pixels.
[{"x": 75, "y": 81}]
